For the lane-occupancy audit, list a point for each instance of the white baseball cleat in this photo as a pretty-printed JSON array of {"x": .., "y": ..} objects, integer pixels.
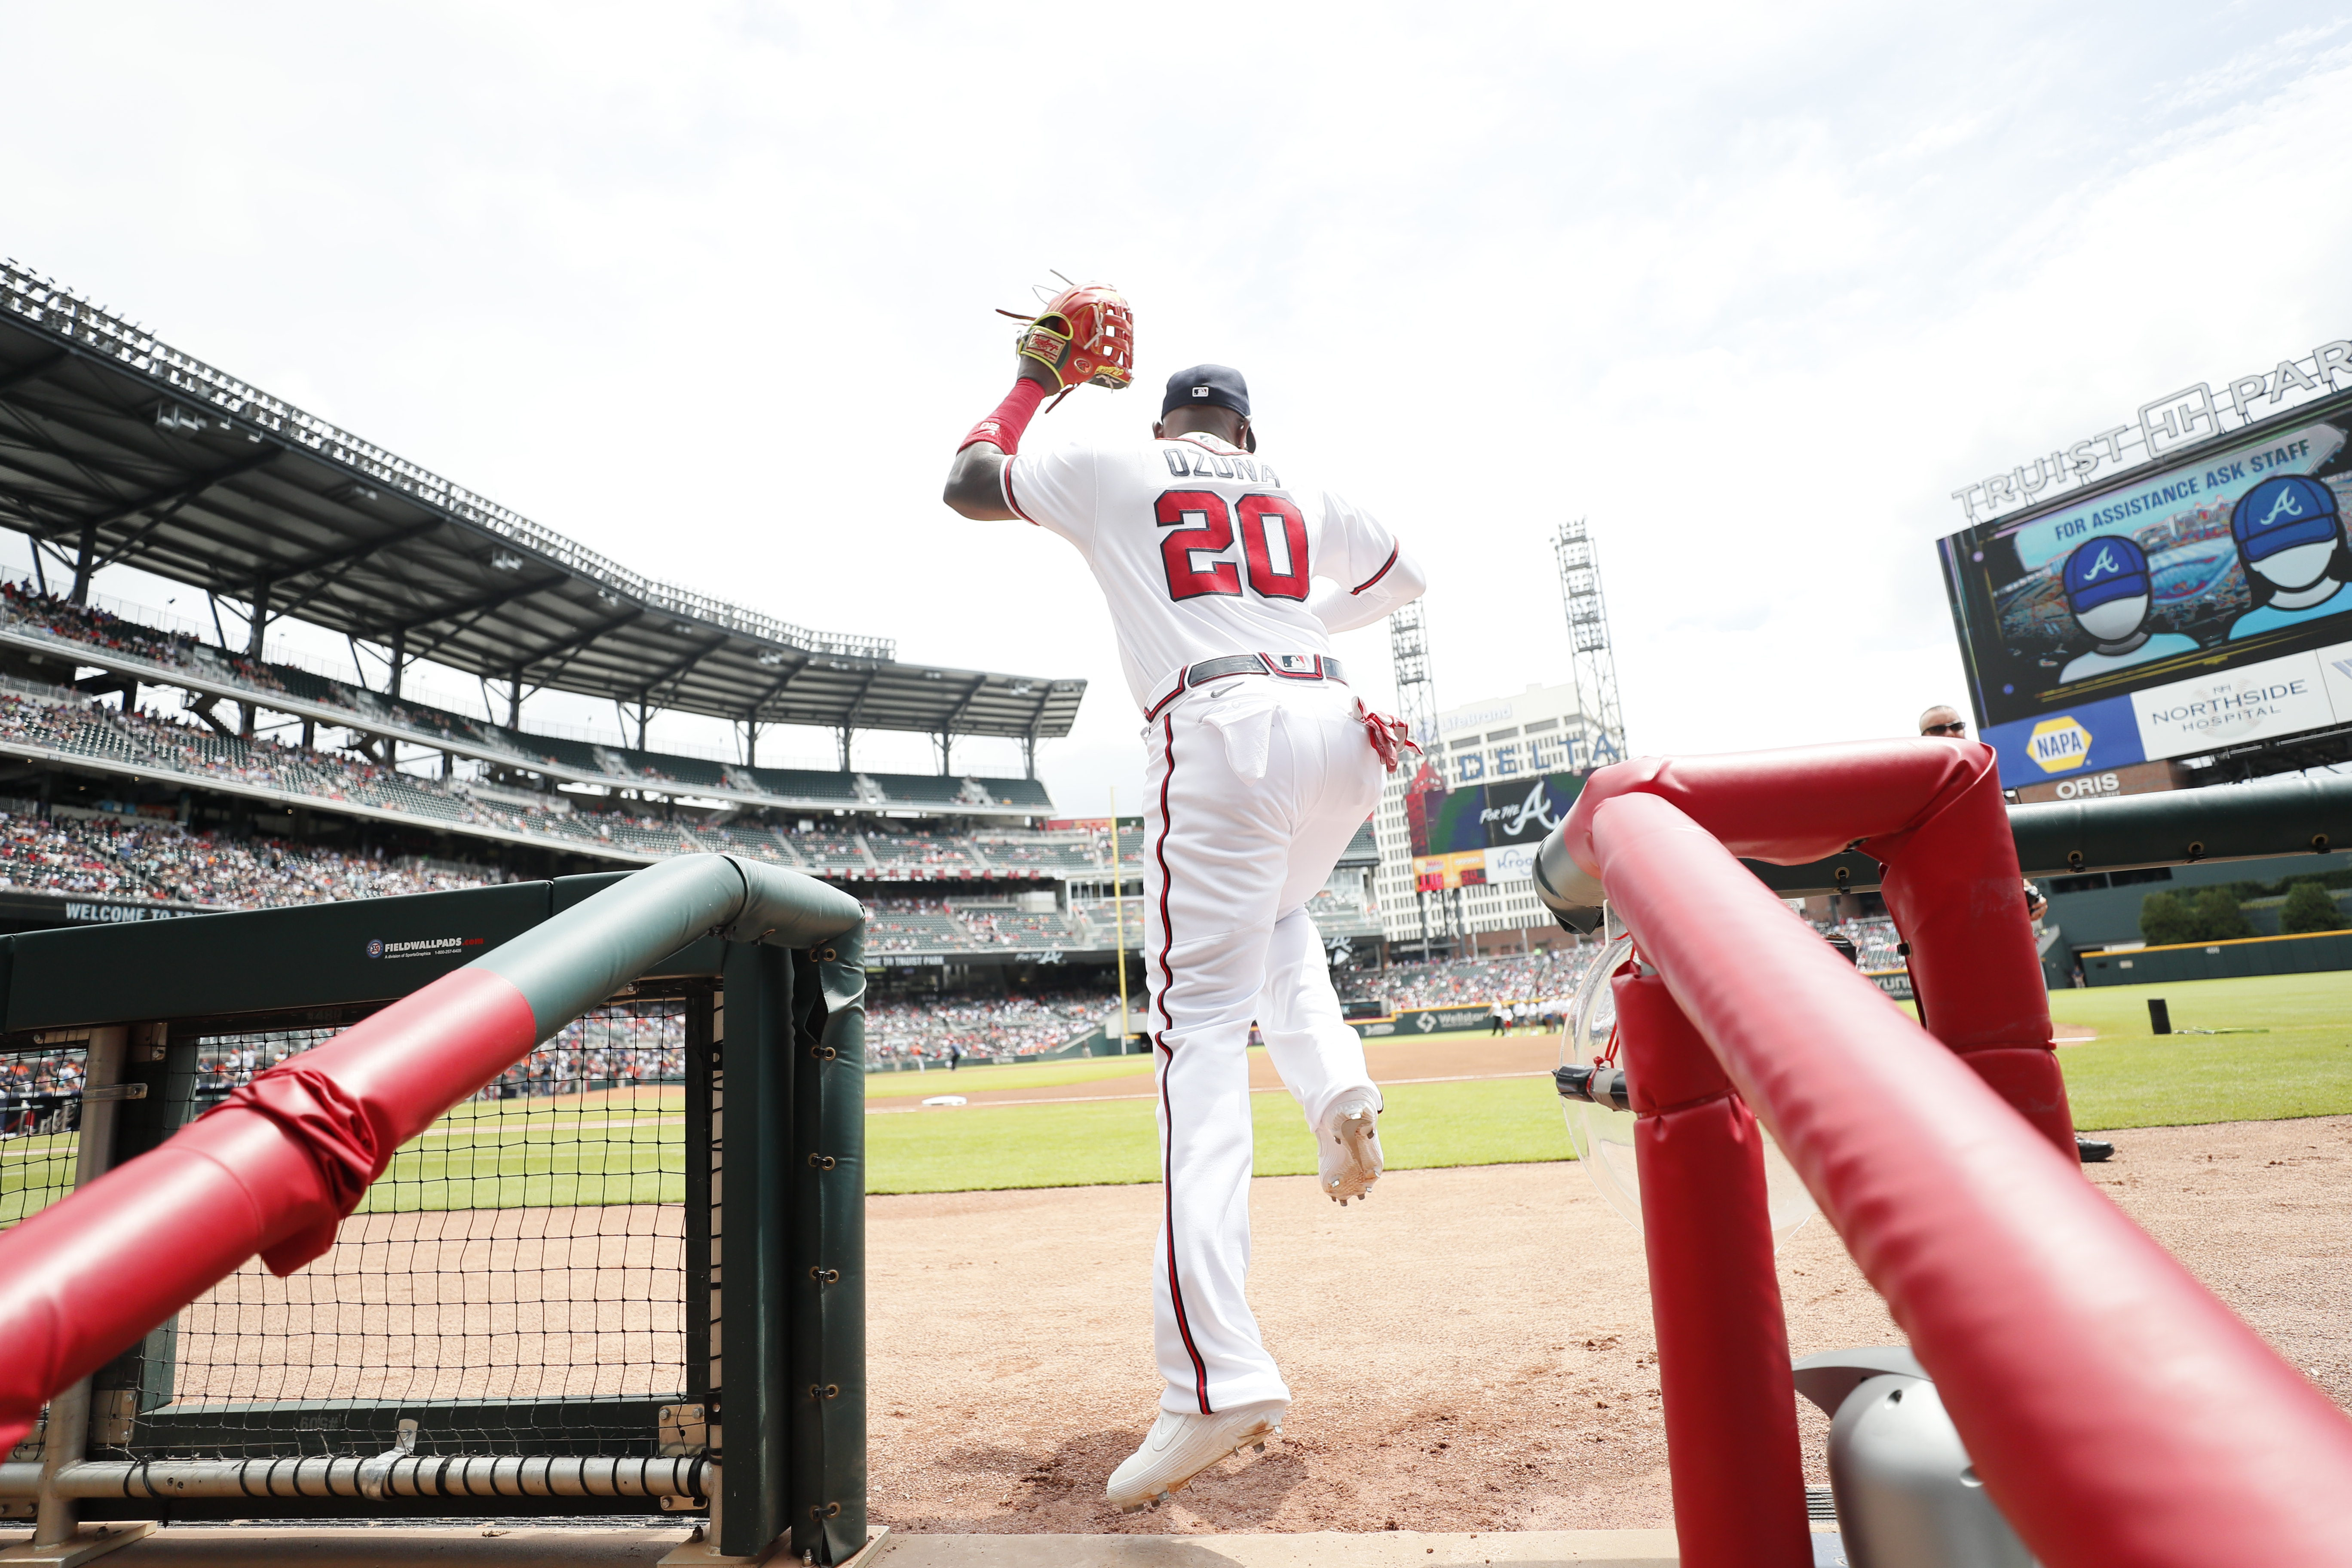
[
  {"x": 1350, "y": 1146},
  {"x": 1181, "y": 1445}
]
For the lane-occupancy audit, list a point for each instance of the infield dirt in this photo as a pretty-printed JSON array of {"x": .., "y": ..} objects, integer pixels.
[{"x": 1469, "y": 1350}]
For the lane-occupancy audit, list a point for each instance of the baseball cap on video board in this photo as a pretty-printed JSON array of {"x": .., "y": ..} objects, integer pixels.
[
  {"x": 1206, "y": 384},
  {"x": 2104, "y": 569},
  {"x": 2283, "y": 512}
]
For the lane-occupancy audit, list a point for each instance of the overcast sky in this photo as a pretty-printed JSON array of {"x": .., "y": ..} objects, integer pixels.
[{"x": 709, "y": 288}]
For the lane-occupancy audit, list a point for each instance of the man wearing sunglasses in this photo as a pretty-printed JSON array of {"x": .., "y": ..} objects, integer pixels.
[{"x": 1943, "y": 721}]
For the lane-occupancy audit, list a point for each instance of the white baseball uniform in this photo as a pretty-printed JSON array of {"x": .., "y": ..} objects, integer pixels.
[{"x": 1256, "y": 782}]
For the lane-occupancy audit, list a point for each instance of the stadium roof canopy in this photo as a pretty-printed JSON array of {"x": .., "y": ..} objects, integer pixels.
[{"x": 115, "y": 447}]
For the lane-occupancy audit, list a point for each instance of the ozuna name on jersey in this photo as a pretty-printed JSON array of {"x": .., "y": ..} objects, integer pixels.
[{"x": 1188, "y": 462}]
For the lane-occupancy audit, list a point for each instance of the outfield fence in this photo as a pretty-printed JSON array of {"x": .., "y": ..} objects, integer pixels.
[{"x": 2235, "y": 958}]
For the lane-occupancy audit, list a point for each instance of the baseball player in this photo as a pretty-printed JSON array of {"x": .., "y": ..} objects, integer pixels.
[{"x": 1226, "y": 578}]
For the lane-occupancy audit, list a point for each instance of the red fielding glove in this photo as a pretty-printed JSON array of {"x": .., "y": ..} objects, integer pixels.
[{"x": 1003, "y": 428}]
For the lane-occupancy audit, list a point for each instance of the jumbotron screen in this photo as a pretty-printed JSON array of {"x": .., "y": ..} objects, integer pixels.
[
  {"x": 2197, "y": 604},
  {"x": 1484, "y": 834}
]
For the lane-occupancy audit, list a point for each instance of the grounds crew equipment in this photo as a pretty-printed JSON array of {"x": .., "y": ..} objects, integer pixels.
[
  {"x": 767, "y": 1426},
  {"x": 2116, "y": 1411}
]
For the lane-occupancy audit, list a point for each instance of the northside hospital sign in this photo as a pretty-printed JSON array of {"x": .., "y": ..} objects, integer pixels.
[{"x": 2192, "y": 413}]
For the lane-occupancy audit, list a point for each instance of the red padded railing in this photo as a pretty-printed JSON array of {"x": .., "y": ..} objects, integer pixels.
[
  {"x": 1932, "y": 812},
  {"x": 2117, "y": 1412}
]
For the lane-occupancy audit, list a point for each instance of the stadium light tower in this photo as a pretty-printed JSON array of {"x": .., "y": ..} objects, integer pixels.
[
  {"x": 1595, "y": 666},
  {"x": 1417, "y": 691},
  {"x": 1416, "y": 704}
]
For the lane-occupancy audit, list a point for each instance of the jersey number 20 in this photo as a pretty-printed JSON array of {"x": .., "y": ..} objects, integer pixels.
[{"x": 1273, "y": 544}]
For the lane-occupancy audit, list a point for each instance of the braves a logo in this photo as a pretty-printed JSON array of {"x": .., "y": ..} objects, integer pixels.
[
  {"x": 2106, "y": 564},
  {"x": 1514, "y": 819},
  {"x": 2286, "y": 506}
]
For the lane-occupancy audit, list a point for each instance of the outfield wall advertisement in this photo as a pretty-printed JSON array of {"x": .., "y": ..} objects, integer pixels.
[
  {"x": 1422, "y": 1021},
  {"x": 1486, "y": 834},
  {"x": 2201, "y": 605}
]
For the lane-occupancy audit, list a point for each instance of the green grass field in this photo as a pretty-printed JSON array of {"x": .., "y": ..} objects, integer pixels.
[
  {"x": 1490, "y": 1123},
  {"x": 2299, "y": 1065},
  {"x": 497, "y": 1154},
  {"x": 486, "y": 1154},
  {"x": 2294, "y": 1061},
  {"x": 33, "y": 1173},
  {"x": 889, "y": 1086}
]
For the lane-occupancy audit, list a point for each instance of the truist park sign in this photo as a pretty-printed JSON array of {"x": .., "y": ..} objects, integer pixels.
[{"x": 2192, "y": 413}]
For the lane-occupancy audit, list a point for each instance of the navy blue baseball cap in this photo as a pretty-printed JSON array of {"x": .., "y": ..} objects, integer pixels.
[
  {"x": 2283, "y": 512},
  {"x": 1203, "y": 383},
  {"x": 2100, "y": 570}
]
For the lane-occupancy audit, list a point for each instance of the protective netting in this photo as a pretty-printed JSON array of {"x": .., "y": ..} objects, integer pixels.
[
  {"x": 40, "y": 1119},
  {"x": 519, "y": 1269},
  {"x": 40, "y": 1143}
]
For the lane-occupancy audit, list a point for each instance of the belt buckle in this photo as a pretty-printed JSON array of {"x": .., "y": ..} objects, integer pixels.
[{"x": 1295, "y": 666}]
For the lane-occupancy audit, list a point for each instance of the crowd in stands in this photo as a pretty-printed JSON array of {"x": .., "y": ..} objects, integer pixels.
[
  {"x": 1460, "y": 983},
  {"x": 176, "y": 746},
  {"x": 126, "y": 856},
  {"x": 1875, "y": 941},
  {"x": 1534, "y": 981},
  {"x": 1130, "y": 844},
  {"x": 617, "y": 1048},
  {"x": 165, "y": 746},
  {"x": 29, "y": 608},
  {"x": 940, "y": 1029},
  {"x": 1338, "y": 914},
  {"x": 24, "y": 608},
  {"x": 31, "y": 1093},
  {"x": 164, "y": 861}
]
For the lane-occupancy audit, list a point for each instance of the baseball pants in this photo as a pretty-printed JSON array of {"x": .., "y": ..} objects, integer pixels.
[{"x": 1256, "y": 787}]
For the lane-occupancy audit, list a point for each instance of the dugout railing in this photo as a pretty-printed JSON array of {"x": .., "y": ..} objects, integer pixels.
[
  {"x": 625, "y": 1277},
  {"x": 2112, "y": 1408}
]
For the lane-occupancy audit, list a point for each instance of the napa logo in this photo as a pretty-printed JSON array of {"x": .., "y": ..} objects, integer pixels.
[{"x": 2059, "y": 745}]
